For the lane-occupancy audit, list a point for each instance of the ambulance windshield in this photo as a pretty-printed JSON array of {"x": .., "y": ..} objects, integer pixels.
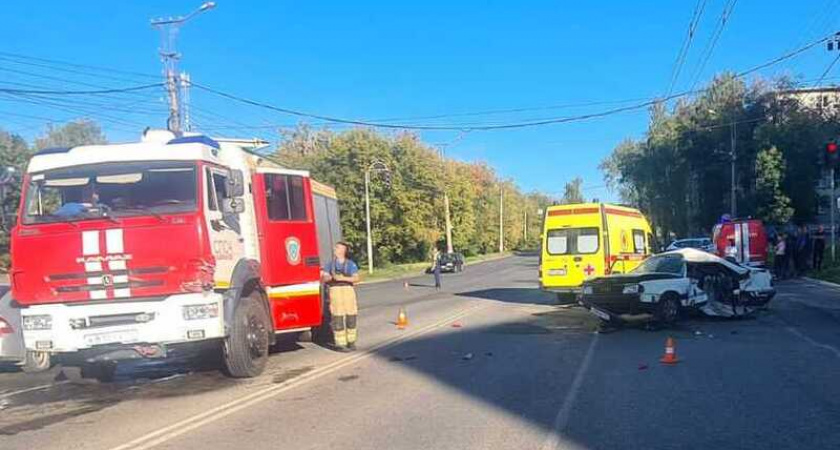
[{"x": 110, "y": 190}]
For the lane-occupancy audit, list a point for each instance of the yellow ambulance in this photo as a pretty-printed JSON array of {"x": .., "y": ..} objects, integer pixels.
[{"x": 585, "y": 240}]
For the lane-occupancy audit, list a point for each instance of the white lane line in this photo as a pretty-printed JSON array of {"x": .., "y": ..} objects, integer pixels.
[
  {"x": 811, "y": 341},
  {"x": 553, "y": 441},
  {"x": 191, "y": 423},
  {"x": 35, "y": 388}
]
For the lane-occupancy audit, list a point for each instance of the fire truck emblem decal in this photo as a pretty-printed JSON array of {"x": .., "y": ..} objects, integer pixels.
[
  {"x": 293, "y": 250},
  {"x": 114, "y": 257}
]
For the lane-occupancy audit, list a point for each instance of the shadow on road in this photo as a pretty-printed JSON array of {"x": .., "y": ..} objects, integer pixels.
[{"x": 530, "y": 296}]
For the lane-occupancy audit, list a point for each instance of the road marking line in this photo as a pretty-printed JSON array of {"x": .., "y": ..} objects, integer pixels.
[
  {"x": 35, "y": 388},
  {"x": 811, "y": 341},
  {"x": 562, "y": 419},
  {"x": 191, "y": 423}
]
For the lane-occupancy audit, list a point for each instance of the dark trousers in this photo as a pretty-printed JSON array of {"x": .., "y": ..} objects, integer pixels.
[
  {"x": 779, "y": 266},
  {"x": 819, "y": 250}
]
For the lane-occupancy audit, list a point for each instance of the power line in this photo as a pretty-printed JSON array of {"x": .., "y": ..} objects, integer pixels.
[
  {"x": 82, "y": 66},
  {"x": 534, "y": 123},
  {"x": 710, "y": 47},
  {"x": 90, "y": 92},
  {"x": 681, "y": 56},
  {"x": 828, "y": 69}
]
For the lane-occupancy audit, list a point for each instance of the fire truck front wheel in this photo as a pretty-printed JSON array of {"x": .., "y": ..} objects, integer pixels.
[{"x": 246, "y": 349}]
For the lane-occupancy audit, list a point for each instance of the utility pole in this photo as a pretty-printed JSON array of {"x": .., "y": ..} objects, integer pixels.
[
  {"x": 169, "y": 56},
  {"x": 185, "y": 100},
  {"x": 525, "y": 228},
  {"x": 448, "y": 223},
  {"x": 501, "y": 217},
  {"x": 732, "y": 195},
  {"x": 376, "y": 166},
  {"x": 833, "y": 208}
]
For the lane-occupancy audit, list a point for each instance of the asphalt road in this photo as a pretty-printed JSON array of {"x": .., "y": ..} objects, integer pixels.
[{"x": 489, "y": 362}]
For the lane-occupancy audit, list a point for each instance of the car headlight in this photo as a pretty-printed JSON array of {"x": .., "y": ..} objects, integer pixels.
[
  {"x": 37, "y": 322},
  {"x": 586, "y": 290},
  {"x": 199, "y": 312},
  {"x": 632, "y": 289}
]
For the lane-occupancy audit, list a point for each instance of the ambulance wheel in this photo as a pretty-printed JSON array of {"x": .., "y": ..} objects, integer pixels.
[
  {"x": 246, "y": 349},
  {"x": 36, "y": 362},
  {"x": 668, "y": 310}
]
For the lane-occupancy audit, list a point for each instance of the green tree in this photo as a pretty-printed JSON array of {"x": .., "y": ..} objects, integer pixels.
[
  {"x": 773, "y": 204},
  {"x": 13, "y": 156},
  {"x": 573, "y": 191},
  {"x": 71, "y": 134}
]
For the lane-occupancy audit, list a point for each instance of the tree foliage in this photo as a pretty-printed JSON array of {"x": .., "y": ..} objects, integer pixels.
[
  {"x": 573, "y": 191},
  {"x": 679, "y": 172},
  {"x": 407, "y": 214},
  {"x": 773, "y": 204}
]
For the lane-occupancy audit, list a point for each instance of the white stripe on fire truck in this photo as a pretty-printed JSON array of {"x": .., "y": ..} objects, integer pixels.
[
  {"x": 90, "y": 243},
  {"x": 114, "y": 243},
  {"x": 90, "y": 246},
  {"x": 114, "y": 240}
]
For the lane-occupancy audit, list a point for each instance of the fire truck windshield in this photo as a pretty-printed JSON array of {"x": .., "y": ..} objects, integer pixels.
[{"x": 110, "y": 190}]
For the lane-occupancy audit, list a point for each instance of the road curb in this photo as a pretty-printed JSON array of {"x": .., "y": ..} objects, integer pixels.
[
  {"x": 407, "y": 276},
  {"x": 822, "y": 282}
]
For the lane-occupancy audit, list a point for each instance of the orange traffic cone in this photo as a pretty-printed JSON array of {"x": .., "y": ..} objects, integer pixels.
[
  {"x": 402, "y": 319},
  {"x": 670, "y": 356}
]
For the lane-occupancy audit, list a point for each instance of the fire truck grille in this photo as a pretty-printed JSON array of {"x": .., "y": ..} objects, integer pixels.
[
  {"x": 84, "y": 275},
  {"x": 96, "y": 287}
]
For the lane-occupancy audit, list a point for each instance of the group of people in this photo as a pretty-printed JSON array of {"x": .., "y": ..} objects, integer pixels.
[{"x": 798, "y": 251}]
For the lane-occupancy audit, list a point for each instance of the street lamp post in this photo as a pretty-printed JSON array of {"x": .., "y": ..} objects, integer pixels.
[
  {"x": 170, "y": 56},
  {"x": 376, "y": 166}
]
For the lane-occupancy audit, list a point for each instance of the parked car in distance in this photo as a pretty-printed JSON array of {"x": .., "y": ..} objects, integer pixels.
[
  {"x": 450, "y": 262},
  {"x": 12, "y": 350},
  {"x": 704, "y": 244}
]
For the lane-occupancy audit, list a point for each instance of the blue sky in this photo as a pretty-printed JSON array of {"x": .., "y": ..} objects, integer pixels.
[{"x": 382, "y": 60}]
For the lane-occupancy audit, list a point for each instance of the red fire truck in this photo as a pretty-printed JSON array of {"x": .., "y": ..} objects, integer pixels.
[
  {"x": 134, "y": 250},
  {"x": 749, "y": 239}
]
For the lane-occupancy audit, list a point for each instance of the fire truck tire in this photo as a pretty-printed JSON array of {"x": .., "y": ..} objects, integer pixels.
[
  {"x": 246, "y": 349},
  {"x": 36, "y": 362}
]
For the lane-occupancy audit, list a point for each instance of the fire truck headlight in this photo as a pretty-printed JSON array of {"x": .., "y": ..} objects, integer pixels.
[
  {"x": 37, "y": 322},
  {"x": 199, "y": 312}
]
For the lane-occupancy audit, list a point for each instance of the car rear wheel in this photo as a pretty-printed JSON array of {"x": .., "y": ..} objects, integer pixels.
[
  {"x": 36, "y": 361},
  {"x": 668, "y": 310},
  {"x": 246, "y": 349}
]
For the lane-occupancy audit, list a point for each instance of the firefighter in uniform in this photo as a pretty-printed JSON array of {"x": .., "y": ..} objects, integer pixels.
[{"x": 340, "y": 275}]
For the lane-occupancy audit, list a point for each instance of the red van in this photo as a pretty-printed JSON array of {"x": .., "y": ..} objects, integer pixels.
[{"x": 750, "y": 240}]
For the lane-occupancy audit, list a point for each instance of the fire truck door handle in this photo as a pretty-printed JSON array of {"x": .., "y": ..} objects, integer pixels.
[{"x": 578, "y": 259}]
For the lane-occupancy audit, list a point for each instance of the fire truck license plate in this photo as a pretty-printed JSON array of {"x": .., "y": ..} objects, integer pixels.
[{"x": 122, "y": 336}]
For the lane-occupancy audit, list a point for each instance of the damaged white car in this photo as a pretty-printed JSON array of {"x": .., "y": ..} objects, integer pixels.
[{"x": 667, "y": 284}]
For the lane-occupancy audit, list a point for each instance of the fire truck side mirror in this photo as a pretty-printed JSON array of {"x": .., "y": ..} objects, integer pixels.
[
  {"x": 234, "y": 206},
  {"x": 236, "y": 184}
]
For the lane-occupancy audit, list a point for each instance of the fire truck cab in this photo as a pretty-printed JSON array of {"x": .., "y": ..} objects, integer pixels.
[{"x": 129, "y": 251}]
